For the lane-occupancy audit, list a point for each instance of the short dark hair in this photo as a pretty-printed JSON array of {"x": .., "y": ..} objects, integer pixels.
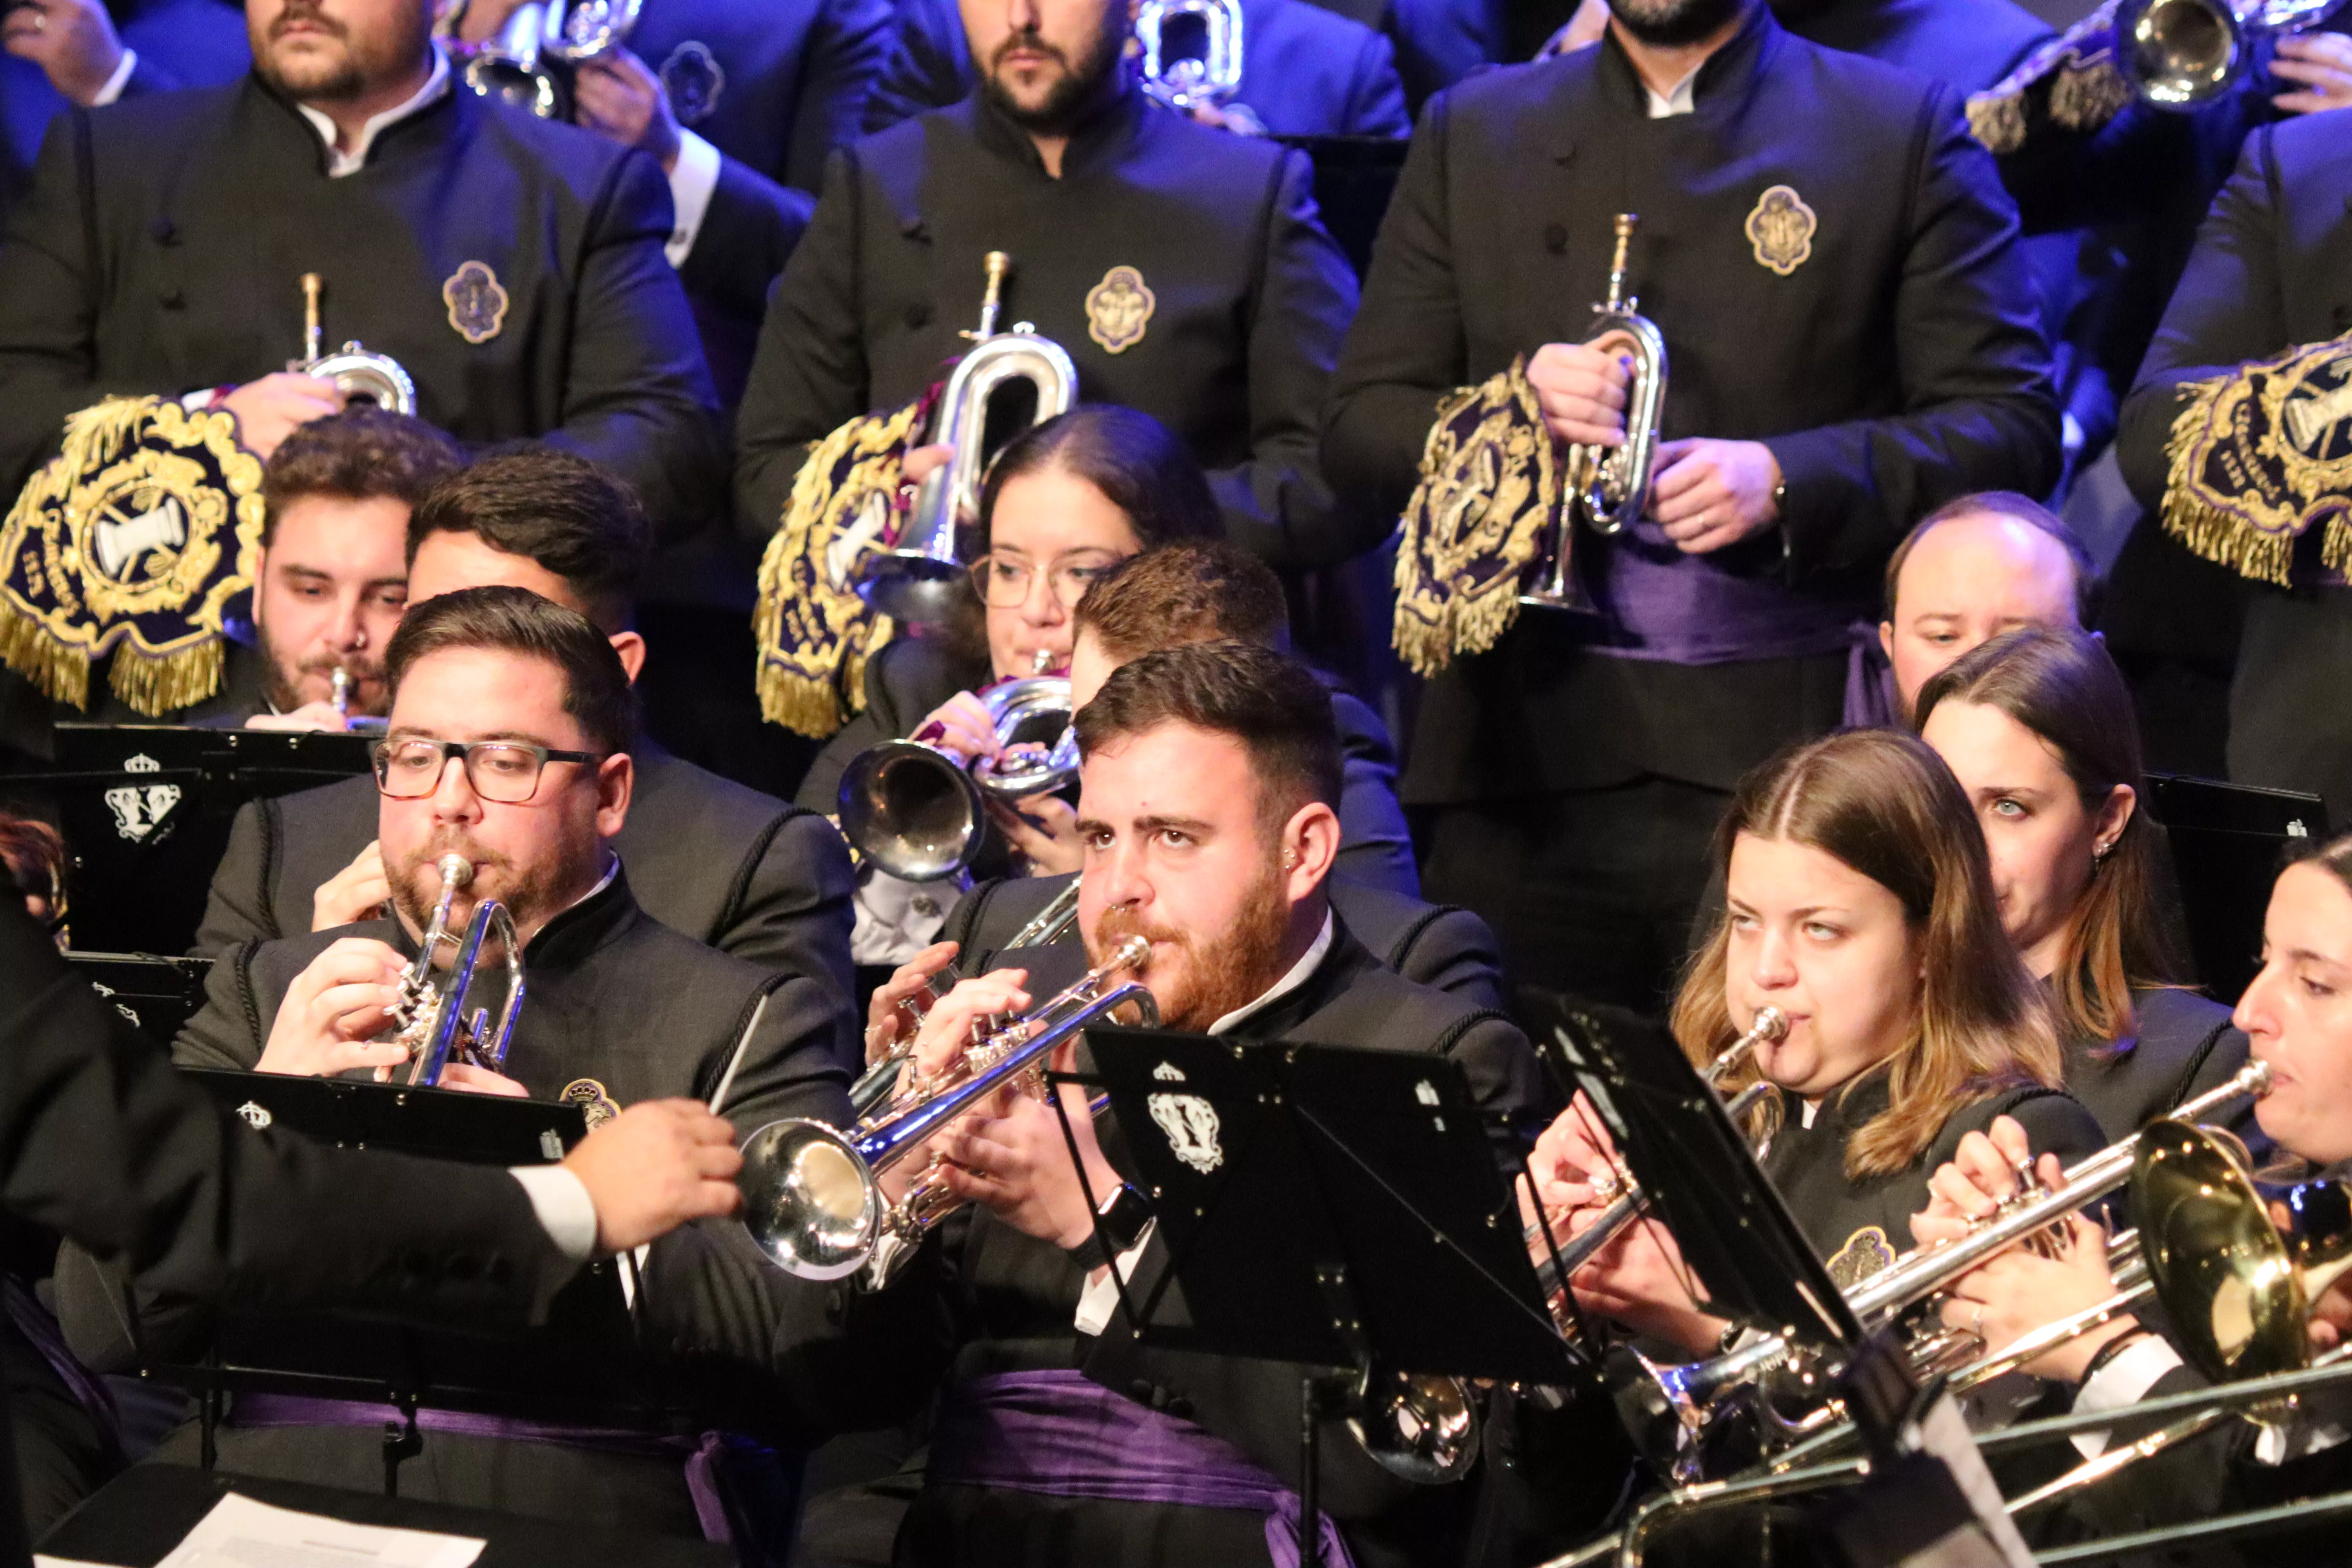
[
  {"x": 1136, "y": 461},
  {"x": 516, "y": 620},
  {"x": 1201, "y": 590},
  {"x": 1268, "y": 702},
  {"x": 574, "y": 519},
  {"x": 361, "y": 453},
  {"x": 2009, "y": 504},
  {"x": 32, "y": 856}
]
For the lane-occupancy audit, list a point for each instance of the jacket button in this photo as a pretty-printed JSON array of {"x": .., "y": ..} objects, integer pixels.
[
  {"x": 172, "y": 300},
  {"x": 1556, "y": 239},
  {"x": 919, "y": 317},
  {"x": 1180, "y": 1407},
  {"x": 162, "y": 231},
  {"x": 1141, "y": 1391}
]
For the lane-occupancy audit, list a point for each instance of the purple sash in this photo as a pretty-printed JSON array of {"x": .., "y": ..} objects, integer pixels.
[
  {"x": 1733, "y": 605},
  {"x": 1062, "y": 1435},
  {"x": 700, "y": 1458}
]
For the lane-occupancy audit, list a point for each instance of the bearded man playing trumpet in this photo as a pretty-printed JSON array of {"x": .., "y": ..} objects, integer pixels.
[{"x": 2297, "y": 1018}]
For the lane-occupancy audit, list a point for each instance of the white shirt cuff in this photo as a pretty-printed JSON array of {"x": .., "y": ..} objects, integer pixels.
[
  {"x": 565, "y": 1210},
  {"x": 117, "y": 81},
  {"x": 1100, "y": 1298},
  {"x": 690, "y": 184},
  {"x": 2122, "y": 1382},
  {"x": 197, "y": 402}
]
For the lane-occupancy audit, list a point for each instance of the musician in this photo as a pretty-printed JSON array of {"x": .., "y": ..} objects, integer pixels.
[
  {"x": 34, "y": 855},
  {"x": 159, "y": 247},
  {"x": 1307, "y": 70},
  {"x": 739, "y": 102},
  {"x": 2267, "y": 280},
  {"x": 1972, "y": 570},
  {"x": 333, "y": 576},
  {"x": 110, "y": 1148},
  {"x": 1184, "y": 272},
  {"x": 1206, "y": 801},
  {"x": 2037, "y": 726},
  {"x": 1861, "y": 907},
  {"x": 2293, "y": 1016},
  {"x": 620, "y": 1007},
  {"x": 1841, "y": 367},
  {"x": 737, "y": 869}
]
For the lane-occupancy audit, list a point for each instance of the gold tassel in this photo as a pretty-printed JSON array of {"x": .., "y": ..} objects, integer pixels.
[
  {"x": 58, "y": 672},
  {"x": 2084, "y": 98},
  {"x": 2335, "y": 546},
  {"x": 2226, "y": 540},
  {"x": 1997, "y": 120},
  {"x": 156, "y": 687}
]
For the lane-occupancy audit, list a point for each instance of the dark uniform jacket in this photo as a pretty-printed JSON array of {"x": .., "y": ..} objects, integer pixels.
[
  {"x": 983, "y": 1298},
  {"x": 1898, "y": 365},
  {"x": 728, "y": 866},
  {"x": 1249, "y": 299},
  {"x": 108, "y": 1146},
  {"x": 618, "y": 1006},
  {"x": 1436, "y": 945},
  {"x": 1861, "y": 1227},
  {"x": 2272, "y": 270},
  {"x": 2185, "y": 1046},
  {"x": 160, "y": 249},
  {"x": 912, "y": 677},
  {"x": 1305, "y": 71}
]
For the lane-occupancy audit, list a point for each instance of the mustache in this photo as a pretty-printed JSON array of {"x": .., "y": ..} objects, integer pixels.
[
  {"x": 1114, "y": 925},
  {"x": 306, "y": 11},
  {"x": 424, "y": 857},
  {"x": 1027, "y": 39}
]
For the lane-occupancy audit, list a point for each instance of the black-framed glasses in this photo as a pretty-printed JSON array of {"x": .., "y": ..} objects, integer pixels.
[
  {"x": 503, "y": 771},
  {"x": 1004, "y": 580}
]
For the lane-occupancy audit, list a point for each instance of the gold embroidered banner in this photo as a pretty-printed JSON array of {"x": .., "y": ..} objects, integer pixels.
[
  {"x": 1489, "y": 488},
  {"x": 129, "y": 542},
  {"x": 2260, "y": 456}
]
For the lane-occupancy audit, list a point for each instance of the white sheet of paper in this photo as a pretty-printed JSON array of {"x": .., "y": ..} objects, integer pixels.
[{"x": 242, "y": 1533}]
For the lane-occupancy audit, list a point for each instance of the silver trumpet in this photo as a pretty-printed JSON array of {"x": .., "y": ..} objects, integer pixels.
[
  {"x": 918, "y": 578},
  {"x": 1186, "y": 81},
  {"x": 917, "y": 813},
  {"x": 359, "y": 375},
  {"x": 879, "y": 1081},
  {"x": 429, "y": 1017},
  {"x": 530, "y": 62},
  {"x": 1607, "y": 487},
  {"x": 811, "y": 1194},
  {"x": 1553, "y": 1272}
]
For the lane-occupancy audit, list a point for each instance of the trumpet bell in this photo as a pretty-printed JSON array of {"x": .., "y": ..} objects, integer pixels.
[
  {"x": 809, "y": 1203},
  {"x": 1419, "y": 1429},
  {"x": 364, "y": 377},
  {"x": 911, "y": 811},
  {"x": 2179, "y": 54},
  {"x": 2224, "y": 1271}
]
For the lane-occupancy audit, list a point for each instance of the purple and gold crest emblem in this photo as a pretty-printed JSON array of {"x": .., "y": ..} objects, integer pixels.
[{"x": 477, "y": 301}]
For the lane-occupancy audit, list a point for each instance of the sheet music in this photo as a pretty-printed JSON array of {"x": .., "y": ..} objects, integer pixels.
[{"x": 242, "y": 1533}]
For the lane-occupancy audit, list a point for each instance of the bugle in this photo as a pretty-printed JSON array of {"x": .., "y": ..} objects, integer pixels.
[
  {"x": 428, "y": 1017},
  {"x": 917, "y": 812},
  {"x": 1183, "y": 81},
  {"x": 359, "y": 375}
]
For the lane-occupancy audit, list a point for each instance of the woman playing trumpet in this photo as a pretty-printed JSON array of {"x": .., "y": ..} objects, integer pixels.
[
  {"x": 1859, "y": 905},
  {"x": 2038, "y": 727},
  {"x": 2297, "y": 1014}
]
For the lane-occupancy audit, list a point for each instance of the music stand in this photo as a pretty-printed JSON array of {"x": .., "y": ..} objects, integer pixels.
[
  {"x": 1322, "y": 1205},
  {"x": 582, "y": 1367},
  {"x": 146, "y": 811},
  {"x": 2228, "y": 842},
  {"x": 157, "y": 995}
]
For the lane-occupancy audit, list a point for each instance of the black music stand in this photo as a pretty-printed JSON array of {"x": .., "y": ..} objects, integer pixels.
[
  {"x": 146, "y": 811},
  {"x": 582, "y": 1367},
  {"x": 1327, "y": 1206},
  {"x": 157, "y": 995},
  {"x": 2228, "y": 842}
]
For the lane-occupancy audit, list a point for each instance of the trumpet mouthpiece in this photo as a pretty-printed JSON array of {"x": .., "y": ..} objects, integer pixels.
[
  {"x": 455, "y": 870},
  {"x": 1770, "y": 1026},
  {"x": 1131, "y": 953}
]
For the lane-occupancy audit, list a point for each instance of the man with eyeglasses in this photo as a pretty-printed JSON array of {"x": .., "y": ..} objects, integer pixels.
[{"x": 509, "y": 745}]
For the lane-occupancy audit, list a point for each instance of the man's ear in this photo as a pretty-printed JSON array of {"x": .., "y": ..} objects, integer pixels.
[
  {"x": 632, "y": 649},
  {"x": 1887, "y": 639},
  {"x": 617, "y": 780},
  {"x": 1310, "y": 844}
]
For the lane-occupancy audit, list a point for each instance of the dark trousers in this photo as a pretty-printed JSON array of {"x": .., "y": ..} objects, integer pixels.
[
  {"x": 2290, "y": 716},
  {"x": 1590, "y": 891}
]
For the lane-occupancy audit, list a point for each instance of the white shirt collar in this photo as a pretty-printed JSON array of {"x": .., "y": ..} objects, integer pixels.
[
  {"x": 1681, "y": 99},
  {"x": 1286, "y": 984},
  {"x": 436, "y": 86}
]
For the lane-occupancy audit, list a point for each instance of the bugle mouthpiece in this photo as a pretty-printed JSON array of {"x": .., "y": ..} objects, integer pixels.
[{"x": 455, "y": 870}]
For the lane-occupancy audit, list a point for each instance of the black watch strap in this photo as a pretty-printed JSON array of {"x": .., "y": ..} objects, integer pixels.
[{"x": 1120, "y": 1220}]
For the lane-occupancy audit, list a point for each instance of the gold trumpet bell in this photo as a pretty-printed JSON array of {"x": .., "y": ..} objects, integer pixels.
[{"x": 2239, "y": 1290}]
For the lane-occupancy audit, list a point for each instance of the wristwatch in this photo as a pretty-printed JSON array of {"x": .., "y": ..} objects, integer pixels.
[{"x": 1121, "y": 1218}]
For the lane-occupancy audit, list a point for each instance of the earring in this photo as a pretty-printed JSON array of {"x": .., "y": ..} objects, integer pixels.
[
  {"x": 1290, "y": 859},
  {"x": 2099, "y": 853}
]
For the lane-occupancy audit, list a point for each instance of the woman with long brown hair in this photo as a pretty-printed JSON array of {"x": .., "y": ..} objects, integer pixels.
[
  {"x": 1858, "y": 904},
  {"x": 2038, "y": 727}
]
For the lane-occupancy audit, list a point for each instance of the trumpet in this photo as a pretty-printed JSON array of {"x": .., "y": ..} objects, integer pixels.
[
  {"x": 430, "y": 1020},
  {"x": 1770, "y": 1027},
  {"x": 521, "y": 65},
  {"x": 812, "y": 1199},
  {"x": 918, "y": 578},
  {"x": 878, "y": 1081},
  {"x": 359, "y": 375},
  {"x": 1185, "y": 81},
  {"x": 917, "y": 813},
  {"x": 1606, "y": 489}
]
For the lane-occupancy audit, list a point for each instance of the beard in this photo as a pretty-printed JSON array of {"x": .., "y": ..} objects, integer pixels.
[
  {"x": 1216, "y": 973},
  {"x": 1071, "y": 94},
  {"x": 337, "y": 68},
  {"x": 282, "y": 684},
  {"x": 1674, "y": 23},
  {"x": 528, "y": 892}
]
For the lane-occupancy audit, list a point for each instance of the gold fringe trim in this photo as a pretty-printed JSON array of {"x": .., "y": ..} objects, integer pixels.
[
  {"x": 58, "y": 672},
  {"x": 156, "y": 686},
  {"x": 2223, "y": 540},
  {"x": 2085, "y": 97},
  {"x": 2335, "y": 546},
  {"x": 1997, "y": 120}
]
